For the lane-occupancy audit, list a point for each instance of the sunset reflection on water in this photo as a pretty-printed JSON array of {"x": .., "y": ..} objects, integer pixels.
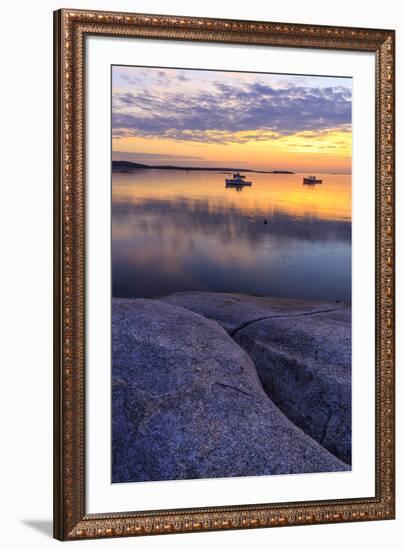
[{"x": 183, "y": 230}]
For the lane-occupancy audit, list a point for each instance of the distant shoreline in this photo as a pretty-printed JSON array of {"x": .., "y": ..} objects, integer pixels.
[{"x": 127, "y": 166}]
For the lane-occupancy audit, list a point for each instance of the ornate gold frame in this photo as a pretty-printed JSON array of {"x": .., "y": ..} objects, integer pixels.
[{"x": 70, "y": 518}]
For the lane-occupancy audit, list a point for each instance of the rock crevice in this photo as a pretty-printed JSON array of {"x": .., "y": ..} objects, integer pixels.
[{"x": 247, "y": 323}]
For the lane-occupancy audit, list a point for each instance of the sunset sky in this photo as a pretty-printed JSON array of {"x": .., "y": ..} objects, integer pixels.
[{"x": 231, "y": 119}]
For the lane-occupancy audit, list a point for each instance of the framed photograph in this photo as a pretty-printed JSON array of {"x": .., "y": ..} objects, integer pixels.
[{"x": 224, "y": 274}]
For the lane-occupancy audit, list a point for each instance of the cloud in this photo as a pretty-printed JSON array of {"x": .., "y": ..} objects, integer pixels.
[
  {"x": 155, "y": 157},
  {"x": 231, "y": 112},
  {"x": 131, "y": 79}
]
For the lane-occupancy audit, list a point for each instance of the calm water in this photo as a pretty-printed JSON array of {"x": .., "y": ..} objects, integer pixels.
[{"x": 177, "y": 230}]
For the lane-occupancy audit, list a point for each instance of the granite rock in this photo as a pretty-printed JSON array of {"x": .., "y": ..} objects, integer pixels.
[
  {"x": 187, "y": 403},
  {"x": 302, "y": 353},
  {"x": 233, "y": 311}
]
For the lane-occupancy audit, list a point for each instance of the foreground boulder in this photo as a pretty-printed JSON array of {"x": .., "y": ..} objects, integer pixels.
[
  {"x": 302, "y": 353},
  {"x": 187, "y": 403},
  {"x": 233, "y": 311}
]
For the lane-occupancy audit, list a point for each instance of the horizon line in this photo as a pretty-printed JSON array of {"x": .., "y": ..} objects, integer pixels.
[{"x": 239, "y": 169}]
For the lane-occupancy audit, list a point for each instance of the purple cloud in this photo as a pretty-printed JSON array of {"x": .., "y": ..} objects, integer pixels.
[{"x": 215, "y": 116}]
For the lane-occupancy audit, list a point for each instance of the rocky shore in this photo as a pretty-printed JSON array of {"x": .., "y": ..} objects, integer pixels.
[{"x": 217, "y": 385}]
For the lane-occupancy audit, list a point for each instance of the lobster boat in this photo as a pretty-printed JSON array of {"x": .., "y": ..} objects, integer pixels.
[
  {"x": 237, "y": 181},
  {"x": 311, "y": 180}
]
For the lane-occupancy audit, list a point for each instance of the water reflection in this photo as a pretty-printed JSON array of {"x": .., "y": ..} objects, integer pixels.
[{"x": 176, "y": 231}]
